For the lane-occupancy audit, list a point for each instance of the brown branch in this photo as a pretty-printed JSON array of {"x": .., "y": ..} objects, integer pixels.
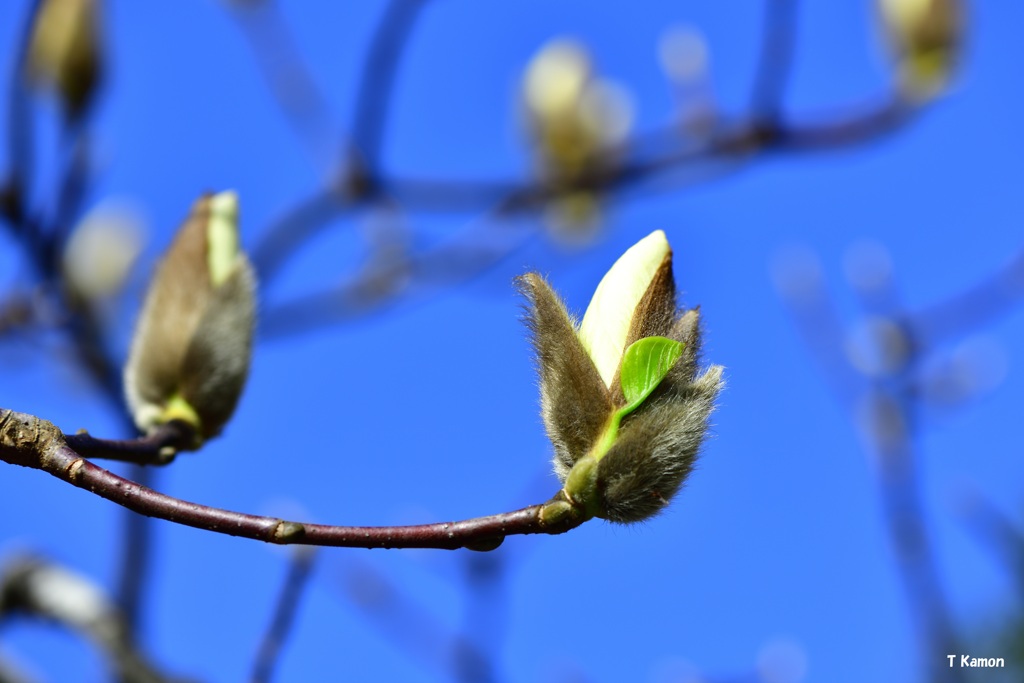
[{"x": 29, "y": 441}]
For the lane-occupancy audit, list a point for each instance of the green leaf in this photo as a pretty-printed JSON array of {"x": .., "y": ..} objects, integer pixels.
[{"x": 644, "y": 365}]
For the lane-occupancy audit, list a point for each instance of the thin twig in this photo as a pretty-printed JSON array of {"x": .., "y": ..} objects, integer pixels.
[
  {"x": 29, "y": 441},
  {"x": 299, "y": 571},
  {"x": 818, "y": 324},
  {"x": 776, "y": 61},
  {"x": 410, "y": 625},
  {"x": 378, "y": 78},
  {"x": 358, "y": 181},
  {"x": 889, "y": 406},
  {"x": 972, "y": 309},
  {"x": 727, "y": 151},
  {"x": 484, "y": 614},
  {"x": 294, "y": 229},
  {"x": 43, "y": 246},
  {"x": 916, "y": 560},
  {"x": 286, "y": 75},
  {"x": 742, "y": 141},
  {"x": 1000, "y": 533},
  {"x": 459, "y": 260},
  {"x": 19, "y": 128},
  {"x": 92, "y": 348},
  {"x": 74, "y": 182},
  {"x": 136, "y": 553},
  {"x": 158, "y": 448}
]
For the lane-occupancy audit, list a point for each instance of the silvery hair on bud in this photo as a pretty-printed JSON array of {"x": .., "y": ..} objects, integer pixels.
[
  {"x": 193, "y": 338},
  {"x": 575, "y": 404},
  {"x": 658, "y": 443},
  {"x": 656, "y": 448}
]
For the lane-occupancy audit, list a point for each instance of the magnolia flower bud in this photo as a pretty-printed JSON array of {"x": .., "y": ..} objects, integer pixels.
[
  {"x": 190, "y": 353},
  {"x": 925, "y": 37},
  {"x": 101, "y": 251},
  {"x": 65, "y": 51},
  {"x": 621, "y": 397},
  {"x": 575, "y": 119}
]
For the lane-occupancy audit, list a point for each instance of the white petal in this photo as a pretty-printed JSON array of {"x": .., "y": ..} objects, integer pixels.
[{"x": 607, "y": 320}]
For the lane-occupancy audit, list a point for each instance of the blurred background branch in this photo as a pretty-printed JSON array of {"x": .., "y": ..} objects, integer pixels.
[{"x": 586, "y": 155}]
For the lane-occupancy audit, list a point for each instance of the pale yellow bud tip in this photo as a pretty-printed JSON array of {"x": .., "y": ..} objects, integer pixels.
[
  {"x": 926, "y": 37},
  {"x": 607, "y": 320},
  {"x": 222, "y": 236},
  {"x": 906, "y": 14},
  {"x": 556, "y": 78}
]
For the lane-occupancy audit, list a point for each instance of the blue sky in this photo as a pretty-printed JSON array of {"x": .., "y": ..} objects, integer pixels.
[{"x": 429, "y": 410}]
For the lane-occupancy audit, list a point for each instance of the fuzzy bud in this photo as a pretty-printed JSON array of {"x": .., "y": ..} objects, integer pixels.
[
  {"x": 193, "y": 341},
  {"x": 65, "y": 51},
  {"x": 575, "y": 119},
  {"x": 925, "y": 37},
  {"x": 621, "y": 396}
]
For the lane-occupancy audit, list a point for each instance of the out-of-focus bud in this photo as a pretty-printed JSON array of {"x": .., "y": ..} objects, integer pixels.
[
  {"x": 101, "y": 251},
  {"x": 782, "y": 660},
  {"x": 684, "y": 56},
  {"x": 190, "y": 353},
  {"x": 35, "y": 586},
  {"x": 683, "y": 53},
  {"x": 925, "y": 37},
  {"x": 65, "y": 51},
  {"x": 576, "y": 120},
  {"x": 879, "y": 347},
  {"x": 621, "y": 396}
]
